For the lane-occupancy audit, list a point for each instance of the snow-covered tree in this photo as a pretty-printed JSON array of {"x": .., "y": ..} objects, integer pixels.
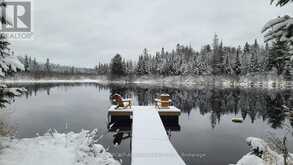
[
  {"x": 279, "y": 55},
  {"x": 8, "y": 64},
  {"x": 237, "y": 65},
  {"x": 47, "y": 65},
  {"x": 280, "y": 2},
  {"x": 253, "y": 65},
  {"x": 280, "y": 28},
  {"x": 129, "y": 67},
  {"x": 117, "y": 68},
  {"x": 72, "y": 70},
  {"x": 147, "y": 61},
  {"x": 227, "y": 69},
  {"x": 218, "y": 56},
  {"x": 287, "y": 72},
  {"x": 264, "y": 53},
  {"x": 140, "y": 66},
  {"x": 184, "y": 60},
  {"x": 35, "y": 65},
  {"x": 26, "y": 63},
  {"x": 102, "y": 69},
  {"x": 245, "y": 58}
]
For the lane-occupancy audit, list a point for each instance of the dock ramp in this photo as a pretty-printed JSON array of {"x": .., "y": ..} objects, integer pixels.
[{"x": 150, "y": 142}]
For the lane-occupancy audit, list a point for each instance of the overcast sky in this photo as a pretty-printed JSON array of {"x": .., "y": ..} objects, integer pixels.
[{"x": 83, "y": 33}]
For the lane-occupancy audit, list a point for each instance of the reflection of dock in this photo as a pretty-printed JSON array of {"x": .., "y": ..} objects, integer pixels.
[{"x": 150, "y": 142}]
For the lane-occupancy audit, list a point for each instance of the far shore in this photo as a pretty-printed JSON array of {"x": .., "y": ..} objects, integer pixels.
[{"x": 267, "y": 81}]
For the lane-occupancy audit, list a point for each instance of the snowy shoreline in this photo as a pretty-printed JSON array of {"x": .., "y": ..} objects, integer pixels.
[
  {"x": 266, "y": 156},
  {"x": 55, "y": 148},
  {"x": 264, "y": 81}
]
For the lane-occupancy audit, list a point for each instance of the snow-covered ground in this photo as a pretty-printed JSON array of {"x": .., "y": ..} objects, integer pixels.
[
  {"x": 55, "y": 149},
  {"x": 267, "y": 156},
  {"x": 255, "y": 81}
]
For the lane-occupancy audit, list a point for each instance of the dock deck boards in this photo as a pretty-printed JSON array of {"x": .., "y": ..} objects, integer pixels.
[
  {"x": 172, "y": 111},
  {"x": 150, "y": 142}
]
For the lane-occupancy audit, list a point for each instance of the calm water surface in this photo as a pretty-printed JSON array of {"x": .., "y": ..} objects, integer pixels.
[{"x": 206, "y": 136}]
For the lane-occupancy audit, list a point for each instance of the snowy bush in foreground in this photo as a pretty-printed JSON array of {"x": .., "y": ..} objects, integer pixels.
[
  {"x": 8, "y": 63},
  {"x": 262, "y": 154},
  {"x": 280, "y": 2},
  {"x": 280, "y": 28},
  {"x": 55, "y": 148}
]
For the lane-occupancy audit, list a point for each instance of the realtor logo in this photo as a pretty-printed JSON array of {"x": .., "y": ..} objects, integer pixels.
[{"x": 17, "y": 19}]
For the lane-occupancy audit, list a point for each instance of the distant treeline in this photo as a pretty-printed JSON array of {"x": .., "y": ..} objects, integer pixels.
[
  {"x": 47, "y": 69},
  {"x": 212, "y": 59}
]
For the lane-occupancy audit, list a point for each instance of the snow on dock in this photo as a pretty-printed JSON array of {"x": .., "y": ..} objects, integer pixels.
[
  {"x": 171, "y": 111},
  {"x": 150, "y": 143}
]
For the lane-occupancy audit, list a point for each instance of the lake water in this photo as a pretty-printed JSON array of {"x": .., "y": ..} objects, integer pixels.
[{"x": 206, "y": 135}]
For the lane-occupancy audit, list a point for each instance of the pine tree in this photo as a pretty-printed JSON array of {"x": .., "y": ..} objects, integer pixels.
[
  {"x": 47, "y": 65},
  {"x": 140, "y": 66},
  {"x": 8, "y": 63},
  {"x": 128, "y": 67},
  {"x": 227, "y": 65},
  {"x": 287, "y": 72},
  {"x": 280, "y": 28},
  {"x": 35, "y": 65},
  {"x": 218, "y": 56},
  {"x": 254, "y": 51},
  {"x": 101, "y": 69},
  {"x": 253, "y": 65},
  {"x": 117, "y": 68},
  {"x": 146, "y": 62},
  {"x": 72, "y": 70},
  {"x": 215, "y": 42},
  {"x": 220, "y": 59},
  {"x": 26, "y": 63},
  {"x": 245, "y": 55},
  {"x": 266, "y": 53},
  {"x": 215, "y": 53},
  {"x": 30, "y": 63},
  {"x": 279, "y": 54},
  {"x": 280, "y": 2},
  {"x": 237, "y": 65}
]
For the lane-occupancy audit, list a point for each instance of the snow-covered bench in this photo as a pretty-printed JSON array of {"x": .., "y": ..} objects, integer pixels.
[
  {"x": 121, "y": 101},
  {"x": 163, "y": 102}
]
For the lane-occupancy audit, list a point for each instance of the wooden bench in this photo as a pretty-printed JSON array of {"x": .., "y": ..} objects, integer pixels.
[
  {"x": 163, "y": 102},
  {"x": 121, "y": 101}
]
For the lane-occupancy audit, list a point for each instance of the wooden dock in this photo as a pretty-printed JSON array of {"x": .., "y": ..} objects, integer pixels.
[
  {"x": 171, "y": 111},
  {"x": 150, "y": 142},
  {"x": 124, "y": 116}
]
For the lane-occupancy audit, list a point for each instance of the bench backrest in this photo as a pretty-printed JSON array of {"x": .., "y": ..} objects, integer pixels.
[
  {"x": 118, "y": 99},
  {"x": 165, "y": 97}
]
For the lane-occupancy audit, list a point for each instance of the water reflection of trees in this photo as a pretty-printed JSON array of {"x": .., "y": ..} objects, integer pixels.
[
  {"x": 34, "y": 89},
  {"x": 251, "y": 104}
]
